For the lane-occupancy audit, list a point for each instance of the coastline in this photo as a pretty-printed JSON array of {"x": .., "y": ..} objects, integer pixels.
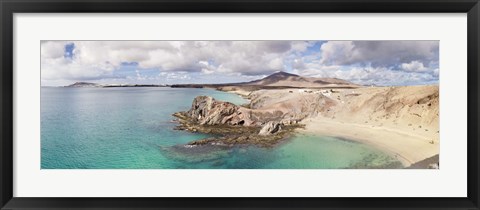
[
  {"x": 408, "y": 145},
  {"x": 409, "y": 148}
]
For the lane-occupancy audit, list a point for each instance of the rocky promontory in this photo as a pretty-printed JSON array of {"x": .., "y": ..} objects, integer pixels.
[{"x": 234, "y": 124}]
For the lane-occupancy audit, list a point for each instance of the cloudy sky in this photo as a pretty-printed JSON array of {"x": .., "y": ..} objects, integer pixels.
[{"x": 175, "y": 62}]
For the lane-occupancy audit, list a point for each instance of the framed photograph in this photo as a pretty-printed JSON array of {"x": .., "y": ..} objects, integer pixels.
[{"x": 239, "y": 105}]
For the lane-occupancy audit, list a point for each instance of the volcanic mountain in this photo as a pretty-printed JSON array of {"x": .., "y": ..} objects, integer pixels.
[{"x": 287, "y": 79}]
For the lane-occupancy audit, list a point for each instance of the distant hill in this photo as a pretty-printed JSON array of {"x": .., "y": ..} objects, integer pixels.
[
  {"x": 293, "y": 80},
  {"x": 84, "y": 84},
  {"x": 89, "y": 84},
  {"x": 274, "y": 81}
]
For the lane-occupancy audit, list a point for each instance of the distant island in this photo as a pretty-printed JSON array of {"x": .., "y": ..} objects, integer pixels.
[{"x": 89, "y": 84}]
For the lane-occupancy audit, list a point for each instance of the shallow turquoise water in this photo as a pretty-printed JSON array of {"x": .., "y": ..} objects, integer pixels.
[{"x": 131, "y": 128}]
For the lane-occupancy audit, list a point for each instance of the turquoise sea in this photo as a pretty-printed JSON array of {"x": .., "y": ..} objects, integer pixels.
[{"x": 132, "y": 128}]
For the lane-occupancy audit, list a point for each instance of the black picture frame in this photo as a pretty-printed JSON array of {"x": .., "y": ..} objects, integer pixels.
[{"x": 10, "y": 7}]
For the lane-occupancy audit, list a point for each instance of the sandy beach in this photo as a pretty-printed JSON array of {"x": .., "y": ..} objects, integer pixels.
[
  {"x": 406, "y": 146},
  {"x": 401, "y": 121}
]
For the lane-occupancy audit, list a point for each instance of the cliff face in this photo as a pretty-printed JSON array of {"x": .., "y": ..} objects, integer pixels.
[
  {"x": 206, "y": 110},
  {"x": 233, "y": 124}
]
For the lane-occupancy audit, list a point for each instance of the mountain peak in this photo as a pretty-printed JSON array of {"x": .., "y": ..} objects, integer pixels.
[
  {"x": 282, "y": 73},
  {"x": 286, "y": 79}
]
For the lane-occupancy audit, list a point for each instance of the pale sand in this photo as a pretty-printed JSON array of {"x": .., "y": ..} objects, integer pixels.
[
  {"x": 407, "y": 146},
  {"x": 401, "y": 121}
]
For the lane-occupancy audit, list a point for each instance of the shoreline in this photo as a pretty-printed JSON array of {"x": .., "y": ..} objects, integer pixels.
[{"x": 408, "y": 146}]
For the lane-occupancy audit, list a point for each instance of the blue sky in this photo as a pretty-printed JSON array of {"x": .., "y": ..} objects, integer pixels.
[{"x": 175, "y": 62}]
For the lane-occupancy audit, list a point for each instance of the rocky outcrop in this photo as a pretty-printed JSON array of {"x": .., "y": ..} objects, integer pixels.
[
  {"x": 270, "y": 128},
  {"x": 229, "y": 135},
  {"x": 235, "y": 124},
  {"x": 206, "y": 110}
]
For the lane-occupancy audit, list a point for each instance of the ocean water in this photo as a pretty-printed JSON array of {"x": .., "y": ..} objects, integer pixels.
[{"x": 132, "y": 128}]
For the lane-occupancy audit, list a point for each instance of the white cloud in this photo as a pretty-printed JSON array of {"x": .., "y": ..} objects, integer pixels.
[
  {"x": 206, "y": 67},
  {"x": 370, "y": 75},
  {"x": 52, "y": 49},
  {"x": 378, "y": 53},
  {"x": 413, "y": 66},
  {"x": 374, "y": 62},
  {"x": 65, "y": 69},
  {"x": 175, "y": 75},
  {"x": 301, "y": 46},
  {"x": 337, "y": 52},
  {"x": 379, "y": 62},
  {"x": 436, "y": 72},
  {"x": 100, "y": 58}
]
